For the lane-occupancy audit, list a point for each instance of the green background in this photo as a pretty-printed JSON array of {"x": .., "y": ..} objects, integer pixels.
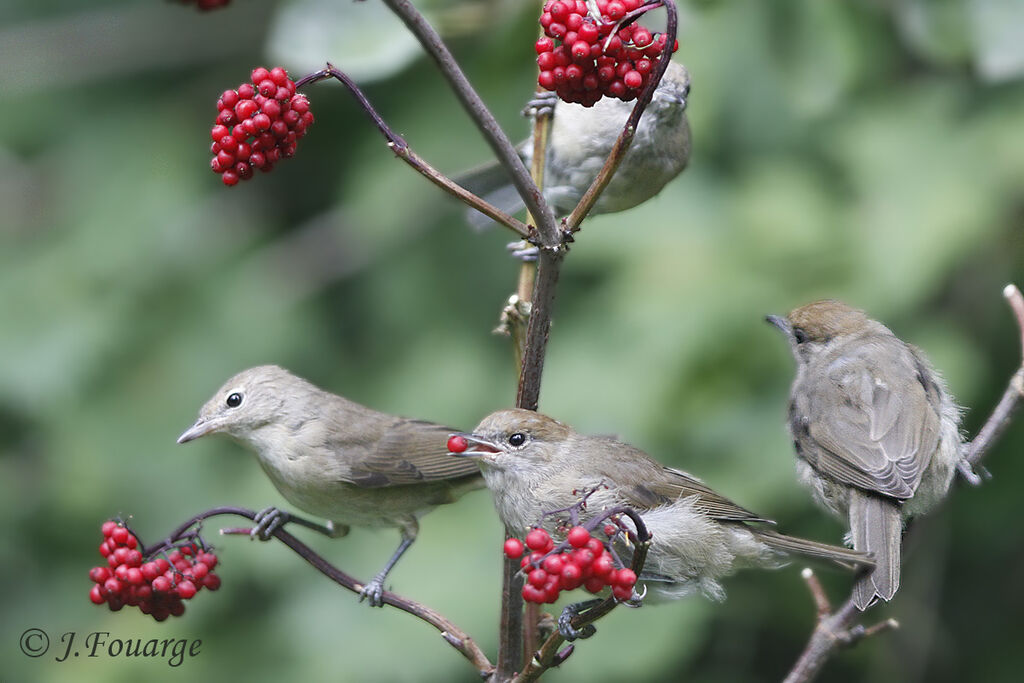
[{"x": 864, "y": 150}]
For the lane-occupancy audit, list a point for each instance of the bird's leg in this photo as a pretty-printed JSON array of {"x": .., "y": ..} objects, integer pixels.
[
  {"x": 373, "y": 590},
  {"x": 565, "y": 626},
  {"x": 270, "y": 519}
]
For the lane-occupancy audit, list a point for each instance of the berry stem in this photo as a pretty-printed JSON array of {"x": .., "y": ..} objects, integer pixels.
[
  {"x": 548, "y": 654},
  {"x": 402, "y": 150},
  {"x": 625, "y": 139},
  {"x": 481, "y": 115}
]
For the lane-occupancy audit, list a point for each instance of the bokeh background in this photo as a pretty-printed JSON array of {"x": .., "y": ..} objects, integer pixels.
[{"x": 872, "y": 151}]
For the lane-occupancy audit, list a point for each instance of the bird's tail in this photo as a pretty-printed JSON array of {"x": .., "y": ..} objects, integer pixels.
[
  {"x": 876, "y": 527},
  {"x": 492, "y": 182},
  {"x": 845, "y": 557}
]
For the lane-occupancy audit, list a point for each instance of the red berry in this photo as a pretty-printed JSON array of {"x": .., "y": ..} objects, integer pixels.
[
  {"x": 553, "y": 564},
  {"x": 538, "y": 577},
  {"x": 108, "y": 527},
  {"x": 120, "y": 535},
  {"x": 622, "y": 593},
  {"x": 625, "y": 578},
  {"x": 161, "y": 584},
  {"x": 186, "y": 589},
  {"x": 513, "y": 546},
  {"x": 112, "y": 586},
  {"x": 539, "y": 539},
  {"x": 135, "y": 576},
  {"x": 211, "y": 581},
  {"x": 133, "y": 558},
  {"x": 603, "y": 565},
  {"x": 99, "y": 574},
  {"x": 96, "y": 594},
  {"x": 578, "y": 536},
  {"x": 104, "y": 549},
  {"x": 458, "y": 444}
]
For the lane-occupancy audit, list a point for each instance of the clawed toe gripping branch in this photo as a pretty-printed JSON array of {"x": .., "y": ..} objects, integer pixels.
[{"x": 838, "y": 628}]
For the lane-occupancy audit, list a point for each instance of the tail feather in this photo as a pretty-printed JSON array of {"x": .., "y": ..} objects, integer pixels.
[
  {"x": 851, "y": 559},
  {"x": 876, "y": 527},
  {"x": 491, "y": 182}
]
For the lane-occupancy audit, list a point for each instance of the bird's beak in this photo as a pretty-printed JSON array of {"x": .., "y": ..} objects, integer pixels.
[
  {"x": 476, "y": 447},
  {"x": 781, "y": 323},
  {"x": 202, "y": 427}
]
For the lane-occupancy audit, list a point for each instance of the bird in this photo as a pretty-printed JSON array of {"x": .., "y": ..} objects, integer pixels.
[
  {"x": 535, "y": 465},
  {"x": 876, "y": 431},
  {"x": 580, "y": 141},
  {"x": 336, "y": 459}
]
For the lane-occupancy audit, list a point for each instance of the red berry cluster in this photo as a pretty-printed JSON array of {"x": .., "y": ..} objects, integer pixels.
[
  {"x": 157, "y": 586},
  {"x": 257, "y": 125},
  {"x": 583, "y": 58},
  {"x": 586, "y": 563},
  {"x": 206, "y": 5}
]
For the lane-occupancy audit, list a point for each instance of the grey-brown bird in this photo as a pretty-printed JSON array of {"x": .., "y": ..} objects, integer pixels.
[
  {"x": 876, "y": 431},
  {"x": 580, "y": 141},
  {"x": 535, "y": 465},
  {"x": 336, "y": 459}
]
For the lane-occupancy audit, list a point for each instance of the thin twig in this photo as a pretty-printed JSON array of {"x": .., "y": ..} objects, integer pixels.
[
  {"x": 837, "y": 628},
  {"x": 451, "y": 634},
  {"x": 504, "y": 150},
  {"x": 1000, "y": 418},
  {"x": 402, "y": 150},
  {"x": 625, "y": 138}
]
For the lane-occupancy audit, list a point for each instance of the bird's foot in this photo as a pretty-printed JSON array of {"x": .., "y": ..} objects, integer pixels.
[
  {"x": 542, "y": 104},
  {"x": 268, "y": 520},
  {"x": 373, "y": 591},
  {"x": 523, "y": 250},
  {"x": 569, "y": 612}
]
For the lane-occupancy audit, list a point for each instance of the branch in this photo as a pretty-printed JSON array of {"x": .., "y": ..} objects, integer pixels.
[
  {"x": 625, "y": 139},
  {"x": 835, "y": 629},
  {"x": 402, "y": 150},
  {"x": 474, "y": 106},
  {"x": 1000, "y": 418},
  {"x": 452, "y": 635},
  {"x": 549, "y": 654}
]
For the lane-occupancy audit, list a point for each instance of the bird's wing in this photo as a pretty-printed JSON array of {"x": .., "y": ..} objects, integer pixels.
[
  {"x": 662, "y": 485},
  {"x": 412, "y": 452},
  {"x": 874, "y": 436}
]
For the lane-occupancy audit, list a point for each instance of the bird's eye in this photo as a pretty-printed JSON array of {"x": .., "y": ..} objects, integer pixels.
[
  {"x": 234, "y": 400},
  {"x": 516, "y": 440},
  {"x": 799, "y": 335}
]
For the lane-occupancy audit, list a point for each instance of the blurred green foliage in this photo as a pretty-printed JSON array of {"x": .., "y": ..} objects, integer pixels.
[{"x": 870, "y": 151}]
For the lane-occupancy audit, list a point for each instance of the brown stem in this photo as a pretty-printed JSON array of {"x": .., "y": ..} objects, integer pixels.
[
  {"x": 402, "y": 150},
  {"x": 474, "y": 106},
  {"x": 837, "y": 628},
  {"x": 452, "y": 634},
  {"x": 625, "y": 139}
]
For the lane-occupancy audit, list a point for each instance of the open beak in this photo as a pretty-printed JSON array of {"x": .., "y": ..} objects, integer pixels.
[
  {"x": 200, "y": 428},
  {"x": 475, "y": 445},
  {"x": 781, "y": 323}
]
